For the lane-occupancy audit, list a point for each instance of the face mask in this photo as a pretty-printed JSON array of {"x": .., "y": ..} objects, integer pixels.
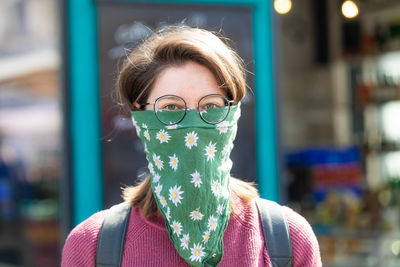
[{"x": 189, "y": 168}]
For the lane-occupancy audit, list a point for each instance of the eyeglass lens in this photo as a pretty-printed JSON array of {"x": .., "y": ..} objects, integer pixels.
[
  {"x": 213, "y": 108},
  {"x": 171, "y": 109}
]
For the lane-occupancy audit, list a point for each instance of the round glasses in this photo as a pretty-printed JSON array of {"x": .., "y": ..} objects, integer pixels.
[{"x": 171, "y": 109}]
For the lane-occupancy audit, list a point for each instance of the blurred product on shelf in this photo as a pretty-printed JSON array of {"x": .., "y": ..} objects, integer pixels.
[{"x": 350, "y": 219}]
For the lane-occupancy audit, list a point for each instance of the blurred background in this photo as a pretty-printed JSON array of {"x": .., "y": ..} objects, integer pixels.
[{"x": 336, "y": 119}]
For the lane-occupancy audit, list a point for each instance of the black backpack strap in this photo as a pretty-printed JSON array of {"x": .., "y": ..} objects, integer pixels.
[
  {"x": 110, "y": 246},
  {"x": 276, "y": 233}
]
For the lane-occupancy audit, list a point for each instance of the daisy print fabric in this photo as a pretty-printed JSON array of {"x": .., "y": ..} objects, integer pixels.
[{"x": 189, "y": 169}]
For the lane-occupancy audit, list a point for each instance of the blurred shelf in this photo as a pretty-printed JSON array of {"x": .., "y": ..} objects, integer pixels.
[{"x": 372, "y": 57}]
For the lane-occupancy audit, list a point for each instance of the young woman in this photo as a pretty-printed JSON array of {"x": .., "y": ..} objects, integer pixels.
[{"x": 184, "y": 87}]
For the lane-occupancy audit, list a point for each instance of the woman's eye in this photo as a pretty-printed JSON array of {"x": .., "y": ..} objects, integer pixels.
[
  {"x": 171, "y": 107},
  {"x": 209, "y": 106}
]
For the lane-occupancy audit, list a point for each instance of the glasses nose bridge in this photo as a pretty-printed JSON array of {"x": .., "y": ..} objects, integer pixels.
[{"x": 192, "y": 105}]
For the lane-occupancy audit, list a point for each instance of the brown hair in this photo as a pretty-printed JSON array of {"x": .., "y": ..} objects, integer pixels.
[{"x": 174, "y": 46}]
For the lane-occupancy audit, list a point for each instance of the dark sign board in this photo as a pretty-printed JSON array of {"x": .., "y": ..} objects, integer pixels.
[{"x": 121, "y": 26}]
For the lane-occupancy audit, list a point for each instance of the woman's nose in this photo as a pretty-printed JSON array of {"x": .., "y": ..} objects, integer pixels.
[{"x": 192, "y": 105}]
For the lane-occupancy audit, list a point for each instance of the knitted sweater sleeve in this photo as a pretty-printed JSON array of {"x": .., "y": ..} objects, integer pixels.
[
  {"x": 304, "y": 242},
  {"x": 80, "y": 245}
]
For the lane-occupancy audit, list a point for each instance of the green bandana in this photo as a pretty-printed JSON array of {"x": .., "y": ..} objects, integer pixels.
[{"x": 190, "y": 171}]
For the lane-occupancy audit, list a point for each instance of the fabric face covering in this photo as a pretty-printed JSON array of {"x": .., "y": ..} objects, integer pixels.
[{"x": 189, "y": 168}]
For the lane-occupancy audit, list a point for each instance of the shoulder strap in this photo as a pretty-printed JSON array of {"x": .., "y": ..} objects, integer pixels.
[
  {"x": 110, "y": 246},
  {"x": 276, "y": 233}
]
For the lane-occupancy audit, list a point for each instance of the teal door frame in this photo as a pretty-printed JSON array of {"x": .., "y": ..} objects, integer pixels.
[{"x": 84, "y": 102}]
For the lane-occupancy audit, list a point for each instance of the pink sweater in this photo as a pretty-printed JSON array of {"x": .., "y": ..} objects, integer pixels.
[{"x": 148, "y": 244}]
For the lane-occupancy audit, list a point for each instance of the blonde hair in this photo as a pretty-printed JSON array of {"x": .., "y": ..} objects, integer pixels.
[{"x": 174, "y": 46}]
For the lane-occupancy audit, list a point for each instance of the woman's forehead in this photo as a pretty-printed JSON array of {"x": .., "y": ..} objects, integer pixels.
[{"x": 190, "y": 81}]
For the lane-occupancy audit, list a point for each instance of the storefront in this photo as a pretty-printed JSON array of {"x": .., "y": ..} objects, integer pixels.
[{"x": 340, "y": 88}]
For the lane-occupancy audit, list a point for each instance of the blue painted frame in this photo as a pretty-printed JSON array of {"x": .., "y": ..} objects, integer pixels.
[{"x": 84, "y": 124}]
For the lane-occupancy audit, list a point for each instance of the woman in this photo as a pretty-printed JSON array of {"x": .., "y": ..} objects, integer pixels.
[{"x": 184, "y": 86}]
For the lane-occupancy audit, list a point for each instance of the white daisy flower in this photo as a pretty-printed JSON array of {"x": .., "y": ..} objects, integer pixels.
[
  {"x": 156, "y": 177},
  {"x": 226, "y": 150},
  {"x": 222, "y": 127},
  {"x": 159, "y": 163},
  {"x": 146, "y": 135},
  {"x": 176, "y": 227},
  {"x": 151, "y": 168},
  {"x": 206, "y": 236},
  {"x": 137, "y": 130},
  {"x": 212, "y": 223},
  {"x": 196, "y": 215},
  {"x": 185, "y": 241},
  {"x": 134, "y": 121},
  {"x": 210, "y": 151},
  {"x": 168, "y": 214},
  {"x": 158, "y": 189},
  {"x": 162, "y": 200},
  {"x": 203, "y": 111},
  {"x": 191, "y": 139},
  {"x": 144, "y": 126},
  {"x": 220, "y": 209},
  {"x": 175, "y": 195},
  {"x": 172, "y": 127},
  {"x": 196, "y": 179},
  {"x": 215, "y": 188},
  {"x": 163, "y": 136},
  {"x": 173, "y": 162},
  {"x": 145, "y": 149},
  {"x": 197, "y": 252}
]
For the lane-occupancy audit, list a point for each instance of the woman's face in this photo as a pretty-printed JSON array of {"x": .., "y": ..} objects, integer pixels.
[{"x": 190, "y": 81}]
